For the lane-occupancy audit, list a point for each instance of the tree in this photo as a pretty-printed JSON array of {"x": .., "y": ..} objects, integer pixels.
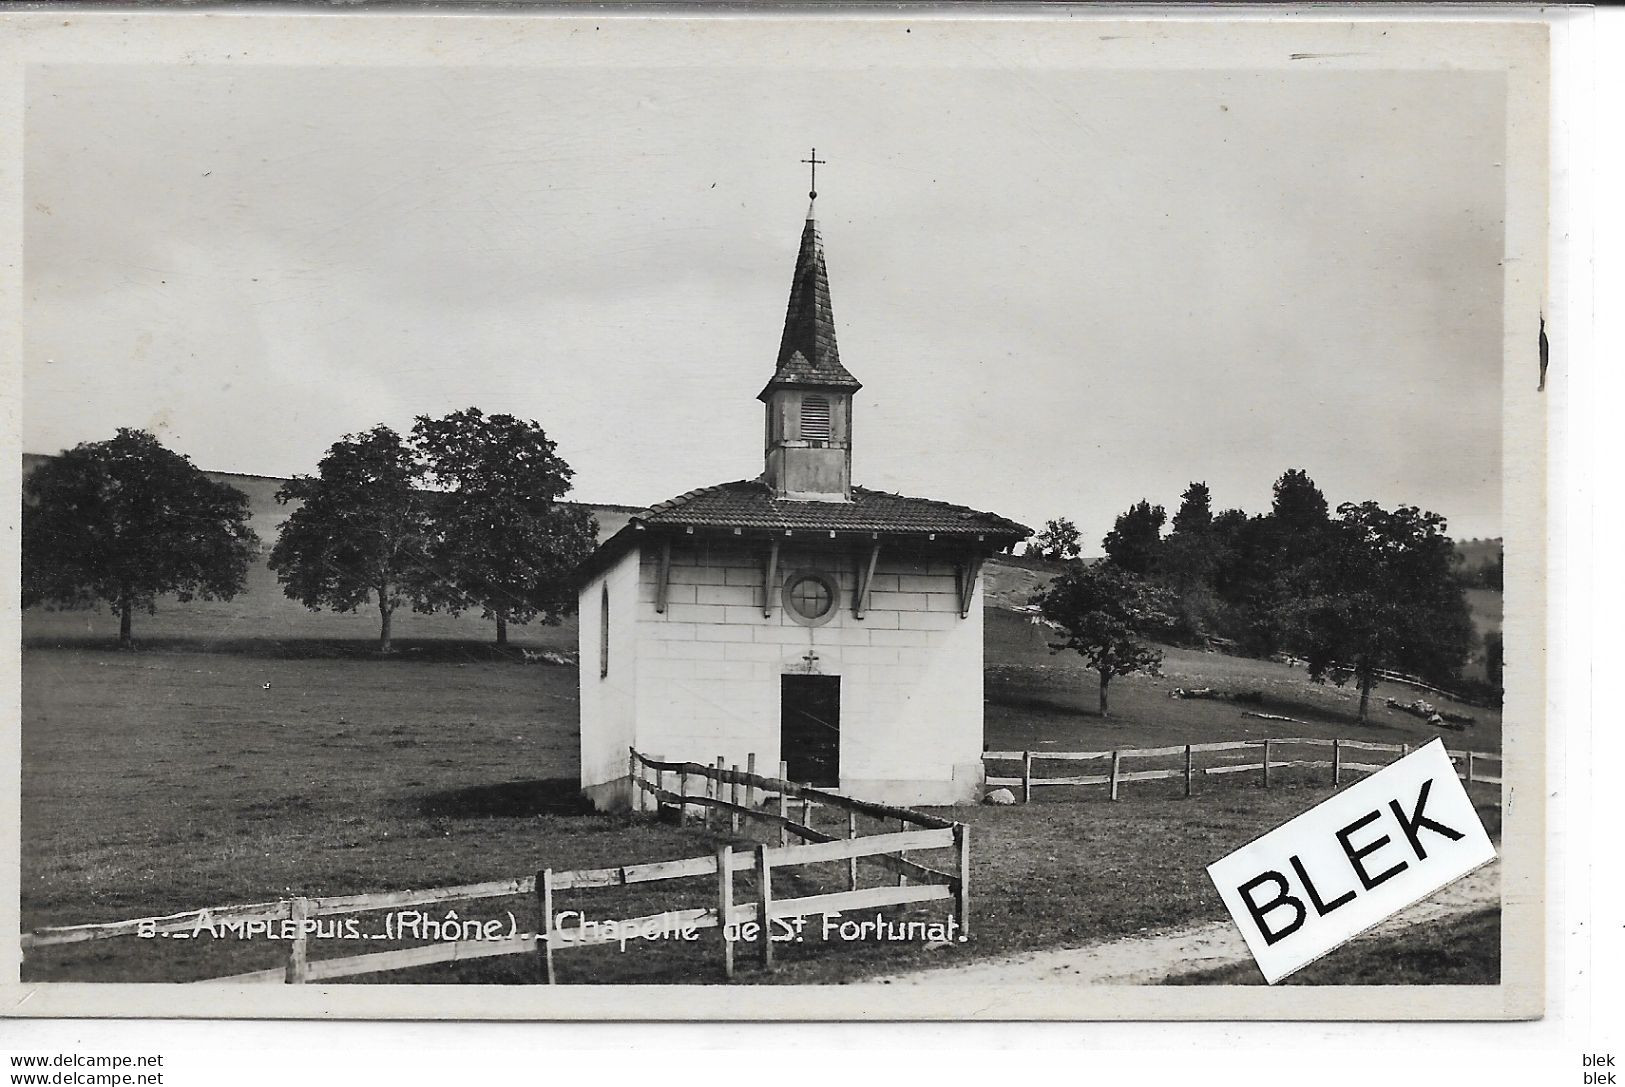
[
  {"x": 1195, "y": 513},
  {"x": 502, "y": 542},
  {"x": 1187, "y": 561},
  {"x": 1135, "y": 540},
  {"x": 1060, "y": 540},
  {"x": 1491, "y": 575},
  {"x": 1298, "y": 508},
  {"x": 1381, "y": 594},
  {"x": 1104, "y": 612},
  {"x": 1255, "y": 559},
  {"x": 126, "y": 521},
  {"x": 361, "y": 533}
]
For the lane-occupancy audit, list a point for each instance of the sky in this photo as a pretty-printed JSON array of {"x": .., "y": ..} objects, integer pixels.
[{"x": 1063, "y": 291}]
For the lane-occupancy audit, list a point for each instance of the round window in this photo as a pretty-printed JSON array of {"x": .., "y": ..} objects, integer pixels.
[{"x": 810, "y": 598}]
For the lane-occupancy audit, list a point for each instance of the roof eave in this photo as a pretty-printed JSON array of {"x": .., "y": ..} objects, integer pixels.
[
  {"x": 849, "y": 385},
  {"x": 996, "y": 537}
]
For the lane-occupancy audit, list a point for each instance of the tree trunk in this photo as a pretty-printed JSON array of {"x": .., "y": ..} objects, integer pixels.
[
  {"x": 125, "y": 641},
  {"x": 1367, "y": 681},
  {"x": 502, "y": 630},
  {"x": 387, "y": 613},
  {"x": 1104, "y": 679}
]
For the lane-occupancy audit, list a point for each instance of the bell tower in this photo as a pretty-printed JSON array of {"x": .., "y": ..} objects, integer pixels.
[{"x": 808, "y": 434}]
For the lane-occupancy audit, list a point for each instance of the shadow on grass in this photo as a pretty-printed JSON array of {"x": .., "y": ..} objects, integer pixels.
[
  {"x": 424, "y": 650},
  {"x": 510, "y": 799},
  {"x": 1013, "y": 697}
]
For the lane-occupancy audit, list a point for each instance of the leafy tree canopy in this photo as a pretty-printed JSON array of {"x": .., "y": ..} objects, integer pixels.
[
  {"x": 1380, "y": 594},
  {"x": 1299, "y": 506},
  {"x": 502, "y": 542},
  {"x": 1059, "y": 540},
  {"x": 1106, "y": 612},
  {"x": 1195, "y": 513},
  {"x": 362, "y": 531},
  {"x": 1135, "y": 541},
  {"x": 1191, "y": 553},
  {"x": 125, "y": 521}
]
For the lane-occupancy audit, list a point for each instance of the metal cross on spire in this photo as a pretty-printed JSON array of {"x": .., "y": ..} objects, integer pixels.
[{"x": 815, "y": 162}]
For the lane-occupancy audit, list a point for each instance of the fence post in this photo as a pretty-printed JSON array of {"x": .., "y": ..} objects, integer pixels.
[
  {"x": 659, "y": 776},
  {"x": 544, "y": 906},
  {"x": 1337, "y": 762},
  {"x": 632, "y": 777},
  {"x": 1404, "y": 749},
  {"x": 1117, "y": 758},
  {"x": 733, "y": 797},
  {"x": 962, "y": 884},
  {"x": 1266, "y": 764},
  {"x": 1026, "y": 777},
  {"x": 1190, "y": 766},
  {"x": 750, "y": 790},
  {"x": 682, "y": 796},
  {"x": 902, "y": 855},
  {"x": 764, "y": 904},
  {"x": 806, "y": 812},
  {"x": 1469, "y": 767},
  {"x": 784, "y": 803},
  {"x": 725, "y": 904},
  {"x": 299, "y": 950},
  {"x": 716, "y": 786},
  {"x": 851, "y": 862}
]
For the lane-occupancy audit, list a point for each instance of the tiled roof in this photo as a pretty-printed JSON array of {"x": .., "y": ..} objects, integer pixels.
[
  {"x": 750, "y": 504},
  {"x": 807, "y": 351}
]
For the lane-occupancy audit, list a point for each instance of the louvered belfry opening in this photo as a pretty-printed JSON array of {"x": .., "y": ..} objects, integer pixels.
[{"x": 814, "y": 419}]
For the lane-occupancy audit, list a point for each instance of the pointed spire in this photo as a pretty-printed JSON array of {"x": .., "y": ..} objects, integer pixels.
[{"x": 807, "y": 352}]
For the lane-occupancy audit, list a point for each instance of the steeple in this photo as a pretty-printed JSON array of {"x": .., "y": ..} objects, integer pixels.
[
  {"x": 808, "y": 356},
  {"x": 808, "y": 434}
]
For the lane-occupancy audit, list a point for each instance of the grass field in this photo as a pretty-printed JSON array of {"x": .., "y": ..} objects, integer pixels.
[
  {"x": 239, "y": 758},
  {"x": 1037, "y": 700}
]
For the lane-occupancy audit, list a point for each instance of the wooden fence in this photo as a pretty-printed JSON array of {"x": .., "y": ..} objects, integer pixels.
[
  {"x": 1469, "y": 763},
  {"x": 295, "y": 919},
  {"x": 1423, "y": 685}
]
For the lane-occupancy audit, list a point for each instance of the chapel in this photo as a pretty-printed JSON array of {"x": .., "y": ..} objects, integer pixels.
[{"x": 793, "y": 616}]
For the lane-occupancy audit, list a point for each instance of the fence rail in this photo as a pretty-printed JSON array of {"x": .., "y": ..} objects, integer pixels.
[
  {"x": 914, "y": 883},
  {"x": 1468, "y": 762},
  {"x": 1421, "y": 684}
]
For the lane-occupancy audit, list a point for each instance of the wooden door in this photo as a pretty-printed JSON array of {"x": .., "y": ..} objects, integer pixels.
[{"x": 810, "y": 729}]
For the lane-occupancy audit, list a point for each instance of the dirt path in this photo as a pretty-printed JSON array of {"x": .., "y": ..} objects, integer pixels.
[{"x": 1148, "y": 959}]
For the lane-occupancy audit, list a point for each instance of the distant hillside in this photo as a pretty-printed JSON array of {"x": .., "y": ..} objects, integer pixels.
[
  {"x": 262, "y": 610},
  {"x": 267, "y": 515},
  {"x": 1478, "y": 553},
  {"x": 1009, "y": 581}
]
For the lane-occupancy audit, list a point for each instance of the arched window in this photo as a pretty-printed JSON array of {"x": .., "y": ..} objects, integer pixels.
[
  {"x": 815, "y": 418},
  {"x": 603, "y": 633}
]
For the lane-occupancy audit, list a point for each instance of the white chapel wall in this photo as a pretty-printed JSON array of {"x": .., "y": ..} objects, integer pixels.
[
  {"x": 911, "y": 675},
  {"x": 608, "y": 703}
]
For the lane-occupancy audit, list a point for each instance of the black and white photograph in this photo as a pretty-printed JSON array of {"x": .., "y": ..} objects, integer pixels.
[{"x": 801, "y": 517}]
